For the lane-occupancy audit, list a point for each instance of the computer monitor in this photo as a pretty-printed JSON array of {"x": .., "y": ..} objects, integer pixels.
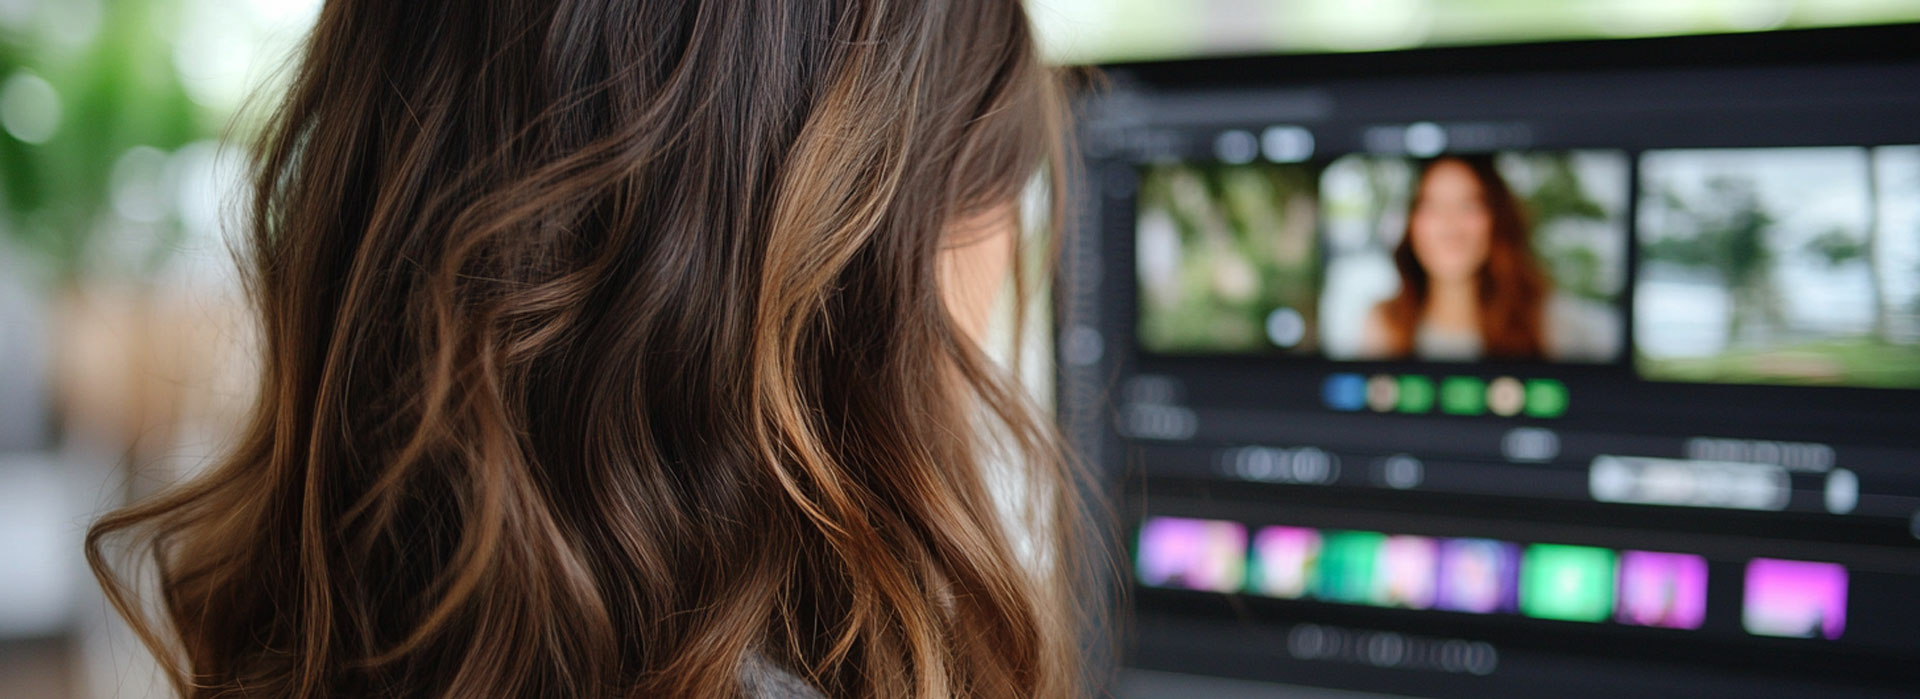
[{"x": 1583, "y": 369}]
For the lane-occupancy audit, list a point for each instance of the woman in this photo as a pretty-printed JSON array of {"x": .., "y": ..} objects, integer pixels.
[
  {"x": 1470, "y": 287},
  {"x": 624, "y": 348}
]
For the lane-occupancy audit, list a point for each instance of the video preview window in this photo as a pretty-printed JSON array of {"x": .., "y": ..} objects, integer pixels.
[
  {"x": 1227, "y": 259},
  {"x": 1780, "y": 266},
  {"x": 1514, "y": 256}
]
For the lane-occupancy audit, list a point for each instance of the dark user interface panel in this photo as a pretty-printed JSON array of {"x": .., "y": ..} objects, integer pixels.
[{"x": 1580, "y": 369}]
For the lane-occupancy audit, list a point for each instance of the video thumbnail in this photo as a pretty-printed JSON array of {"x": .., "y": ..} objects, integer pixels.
[
  {"x": 1349, "y": 566},
  {"x": 1193, "y": 554},
  {"x": 1479, "y": 576},
  {"x": 1515, "y": 256},
  {"x": 1407, "y": 565},
  {"x": 1567, "y": 583},
  {"x": 1666, "y": 590},
  {"x": 1780, "y": 266},
  {"x": 1226, "y": 258},
  {"x": 1285, "y": 561},
  {"x": 1797, "y": 599}
]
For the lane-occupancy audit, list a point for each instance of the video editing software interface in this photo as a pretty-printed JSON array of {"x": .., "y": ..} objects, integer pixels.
[{"x": 1580, "y": 369}]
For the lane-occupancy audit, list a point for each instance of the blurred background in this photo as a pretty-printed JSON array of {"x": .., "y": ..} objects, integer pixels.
[{"x": 124, "y": 352}]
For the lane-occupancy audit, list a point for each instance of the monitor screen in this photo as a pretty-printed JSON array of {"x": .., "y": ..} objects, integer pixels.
[{"x": 1585, "y": 369}]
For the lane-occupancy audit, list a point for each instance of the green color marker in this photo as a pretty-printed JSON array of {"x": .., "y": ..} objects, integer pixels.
[
  {"x": 1416, "y": 394},
  {"x": 1463, "y": 395},
  {"x": 1546, "y": 398}
]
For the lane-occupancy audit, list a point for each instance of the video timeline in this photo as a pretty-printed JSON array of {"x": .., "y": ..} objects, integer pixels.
[{"x": 1546, "y": 581}]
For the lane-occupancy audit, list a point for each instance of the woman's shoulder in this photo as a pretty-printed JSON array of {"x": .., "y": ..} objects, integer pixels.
[
  {"x": 760, "y": 678},
  {"x": 1581, "y": 329},
  {"x": 1375, "y": 331}
]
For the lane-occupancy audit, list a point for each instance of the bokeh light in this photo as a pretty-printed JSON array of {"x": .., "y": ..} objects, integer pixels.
[{"x": 29, "y": 107}]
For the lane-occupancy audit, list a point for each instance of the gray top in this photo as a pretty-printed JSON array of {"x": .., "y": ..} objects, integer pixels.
[
  {"x": 1577, "y": 330},
  {"x": 761, "y": 679},
  {"x": 1437, "y": 344}
]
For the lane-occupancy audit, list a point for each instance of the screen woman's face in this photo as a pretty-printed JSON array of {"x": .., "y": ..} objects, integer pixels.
[{"x": 1451, "y": 227}]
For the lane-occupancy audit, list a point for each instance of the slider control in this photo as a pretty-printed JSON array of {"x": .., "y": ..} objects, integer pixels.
[{"x": 1689, "y": 483}]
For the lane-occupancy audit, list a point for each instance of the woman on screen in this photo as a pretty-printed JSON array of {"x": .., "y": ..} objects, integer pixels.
[{"x": 1470, "y": 287}]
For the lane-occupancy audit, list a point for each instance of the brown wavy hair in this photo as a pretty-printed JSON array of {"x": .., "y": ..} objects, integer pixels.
[
  {"x": 605, "y": 349},
  {"x": 1512, "y": 288}
]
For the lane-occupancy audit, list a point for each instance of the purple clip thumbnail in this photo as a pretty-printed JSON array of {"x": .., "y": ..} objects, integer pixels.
[
  {"x": 1481, "y": 576},
  {"x": 1667, "y": 590},
  {"x": 1795, "y": 598},
  {"x": 1193, "y": 554}
]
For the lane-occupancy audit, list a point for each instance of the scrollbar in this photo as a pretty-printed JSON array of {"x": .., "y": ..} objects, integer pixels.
[{"x": 1689, "y": 483}]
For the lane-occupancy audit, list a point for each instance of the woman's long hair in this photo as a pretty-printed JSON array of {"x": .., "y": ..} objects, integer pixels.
[
  {"x": 604, "y": 348},
  {"x": 1512, "y": 288}
]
